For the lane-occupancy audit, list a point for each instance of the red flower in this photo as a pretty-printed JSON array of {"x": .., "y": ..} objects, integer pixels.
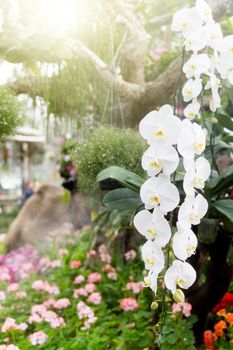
[
  {"x": 209, "y": 339},
  {"x": 226, "y": 301}
]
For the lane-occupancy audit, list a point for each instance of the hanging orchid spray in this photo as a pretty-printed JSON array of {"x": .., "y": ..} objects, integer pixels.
[{"x": 172, "y": 141}]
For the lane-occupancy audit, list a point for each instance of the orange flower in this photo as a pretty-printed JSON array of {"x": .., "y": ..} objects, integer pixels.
[
  {"x": 229, "y": 318},
  {"x": 221, "y": 312},
  {"x": 231, "y": 341},
  {"x": 219, "y": 327}
]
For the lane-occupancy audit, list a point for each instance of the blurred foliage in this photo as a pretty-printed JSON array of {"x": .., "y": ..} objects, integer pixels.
[
  {"x": 10, "y": 112},
  {"x": 107, "y": 146},
  {"x": 7, "y": 218}
]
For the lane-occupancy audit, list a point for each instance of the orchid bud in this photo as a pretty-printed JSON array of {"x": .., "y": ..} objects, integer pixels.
[
  {"x": 154, "y": 305},
  {"x": 178, "y": 296}
]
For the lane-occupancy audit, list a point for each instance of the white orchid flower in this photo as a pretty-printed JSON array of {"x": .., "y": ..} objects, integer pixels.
[
  {"x": 192, "y": 89},
  {"x": 225, "y": 66},
  {"x": 214, "y": 85},
  {"x": 160, "y": 158},
  {"x": 153, "y": 256},
  {"x": 159, "y": 191},
  {"x": 197, "y": 172},
  {"x": 184, "y": 243},
  {"x": 192, "y": 109},
  {"x": 192, "y": 210},
  {"x": 197, "y": 65},
  {"x": 153, "y": 226},
  {"x": 181, "y": 274},
  {"x": 204, "y": 11},
  {"x": 151, "y": 281},
  {"x": 227, "y": 44},
  {"x": 195, "y": 39},
  {"x": 186, "y": 20},
  {"x": 160, "y": 127},
  {"x": 191, "y": 139},
  {"x": 214, "y": 35}
]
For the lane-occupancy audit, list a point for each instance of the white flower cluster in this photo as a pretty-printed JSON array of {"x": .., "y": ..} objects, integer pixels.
[
  {"x": 200, "y": 32},
  {"x": 169, "y": 139},
  {"x": 163, "y": 130}
]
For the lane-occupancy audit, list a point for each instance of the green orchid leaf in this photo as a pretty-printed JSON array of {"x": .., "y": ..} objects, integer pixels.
[
  {"x": 125, "y": 177},
  {"x": 225, "y": 121},
  {"x": 225, "y": 207},
  {"x": 122, "y": 199}
]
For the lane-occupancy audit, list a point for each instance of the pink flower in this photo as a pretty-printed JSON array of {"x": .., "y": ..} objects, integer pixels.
[
  {"x": 13, "y": 287},
  {"x": 157, "y": 53},
  {"x": 103, "y": 254},
  {"x": 112, "y": 276},
  {"x": 55, "y": 263},
  {"x": 62, "y": 303},
  {"x": 35, "y": 318},
  {"x": 38, "y": 309},
  {"x": 2, "y": 295},
  {"x": 62, "y": 252},
  {"x": 90, "y": 287},
  {"x": 57, "y": 322},
  {"x": 80, "y": 292},
  {"x": 8, "y": 324},
  {"x": 129, "y": 304},
  {"x": 135, "y": 287},
  {"x": 75, "y": 264},
  {"x": 130, "y": 255},
  {"x": 86, "y": 314},
  {"x": 95, "y": 298},
  {"x": 45, "y": 287},
  {"x": 94, "y": 277},
  {"x": 38, "y": 285},
  {"x": 22, "y": 326},
  {"x": 38, "y": 338},
  {"x": 9, "y": 347},
  {"x": 48, "y": 303},
  {"x": 183, "y": 307},
  {"x": 91, "y": 253},
  {"x": 108, "y": 268},
  {"x": 79, "y": 279},
  {"x": 49, "y": 316},
  {"x": 21, "y": 294}
]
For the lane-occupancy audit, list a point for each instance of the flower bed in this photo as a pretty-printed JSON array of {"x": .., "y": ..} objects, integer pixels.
[{"x": 77, "y": 299}]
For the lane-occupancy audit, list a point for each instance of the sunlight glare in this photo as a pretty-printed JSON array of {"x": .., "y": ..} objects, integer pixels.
[{"x": 61, "y": 17}]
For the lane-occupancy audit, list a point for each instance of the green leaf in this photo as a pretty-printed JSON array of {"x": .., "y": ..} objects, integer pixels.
[
  {"x": 122, "y": 199},
  {"x": 225, "y": 121},
  {"x": 228, "y": 138},
  {"x": 125, "y": 177},
  {"x": 221, "y": 183},
  {"x": 225, "y": 207}
]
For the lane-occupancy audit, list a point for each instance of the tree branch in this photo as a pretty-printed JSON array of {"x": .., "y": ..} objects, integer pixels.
[
  {"x": 136, "y": 45},
  {"x": 219, "y": 8},
  {"x": 136, "y": 98},
  {"x": 125, "y": 89}
]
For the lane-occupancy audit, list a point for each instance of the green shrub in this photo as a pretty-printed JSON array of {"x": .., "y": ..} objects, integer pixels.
[
  {"x": 107, "y": 146},
  {"x": 10, "y": 112}
]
